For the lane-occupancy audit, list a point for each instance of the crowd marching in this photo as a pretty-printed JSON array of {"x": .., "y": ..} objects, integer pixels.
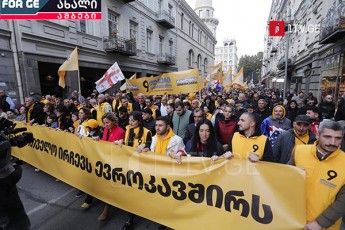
[{"x": 255, "y": 124}]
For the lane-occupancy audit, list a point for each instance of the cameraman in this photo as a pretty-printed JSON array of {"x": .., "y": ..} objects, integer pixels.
[{"x": 12, "y": 213}]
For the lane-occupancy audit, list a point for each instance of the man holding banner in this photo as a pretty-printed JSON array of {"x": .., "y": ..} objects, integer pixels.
[
  {"x": 325, "y": 177},
  {"x": 165, "y": 141}
]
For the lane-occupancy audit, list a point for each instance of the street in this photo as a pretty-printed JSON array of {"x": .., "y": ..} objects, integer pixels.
[{"x": 53, "y": 205}]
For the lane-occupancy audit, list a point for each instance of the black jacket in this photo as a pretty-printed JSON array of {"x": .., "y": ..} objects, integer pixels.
[{"x": 36, "y": 113}]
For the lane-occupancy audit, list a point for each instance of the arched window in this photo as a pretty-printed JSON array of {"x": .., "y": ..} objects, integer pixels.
[
  {"x": 199, "y": 62},
  {"x": 205, "y": 65},
  {"x": 190, "y": 58}
]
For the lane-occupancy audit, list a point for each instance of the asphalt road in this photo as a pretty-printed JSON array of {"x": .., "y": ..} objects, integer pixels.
[{"x": 53, "y": 205}]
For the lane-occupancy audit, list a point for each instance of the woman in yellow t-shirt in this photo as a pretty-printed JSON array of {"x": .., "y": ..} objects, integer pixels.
[{"x": 136, "y": 136}]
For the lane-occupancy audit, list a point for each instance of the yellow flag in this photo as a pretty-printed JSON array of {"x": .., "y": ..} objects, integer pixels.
[
  {"x": 124, "y": 85},
  {"x": 226, "y": 79},
  {"x": 238, "y": 79},
  {"x": 69, "y": 65},
  {"x": 216, "y": 71}
]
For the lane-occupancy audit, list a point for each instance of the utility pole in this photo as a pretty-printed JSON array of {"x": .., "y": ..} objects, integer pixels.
[{"x": 287, "y": 37}]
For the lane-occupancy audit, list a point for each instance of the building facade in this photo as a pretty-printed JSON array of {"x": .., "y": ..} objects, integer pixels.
[
  {"x": 228, "y": 55},
  {"x": 144, "y": 37},
  {"x": 312, "y": 47}
]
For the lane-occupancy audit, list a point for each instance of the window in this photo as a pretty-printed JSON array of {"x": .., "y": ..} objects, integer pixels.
[
  {"x": 147, "y": 3},
  {"x": 190, "y": 28},
  {"x": 113, "y": 22},
  {"x": 133, "y": 30},
  {"x": 170, "y": 9},
  {"x": 182, "y": 19},
  {"x": 86, "y": 26},
  {"x": 171, "y": 43},
  {"x": 205, "y": 65},
  {"x": 149, "y": 34},
  {"x": 199, "y": 62},
  {"x": 190, "y": 58},
  {"x": 200, "y": 13},
  {"x": 161, "y": 42},
  {"x": 160, "y": 5},
  {"x": 207, "y": 13}
]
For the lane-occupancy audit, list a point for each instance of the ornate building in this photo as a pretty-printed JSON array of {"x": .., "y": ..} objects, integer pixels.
[
  {"x": 228, "y": 54},
  {"x": 143, "y": 36}
]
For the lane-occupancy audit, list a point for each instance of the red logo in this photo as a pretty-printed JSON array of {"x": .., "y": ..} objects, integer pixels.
[{"x": 277, "y": 28}]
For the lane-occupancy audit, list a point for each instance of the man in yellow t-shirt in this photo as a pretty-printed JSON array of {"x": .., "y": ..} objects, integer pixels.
[{"x": 323, "y": 163}]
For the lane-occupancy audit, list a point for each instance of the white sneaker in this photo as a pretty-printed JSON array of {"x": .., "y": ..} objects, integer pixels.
[{"x": 37, "y": 170}]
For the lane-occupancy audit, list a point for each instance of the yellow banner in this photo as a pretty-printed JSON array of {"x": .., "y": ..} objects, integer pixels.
[
  {"x": 168, "y": 83},
  {"x": 198, "y": 194}
]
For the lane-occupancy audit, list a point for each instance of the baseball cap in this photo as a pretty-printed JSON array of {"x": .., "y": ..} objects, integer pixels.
[
  {"x": 303, "y": 119},
  {"x": 147, "y": 110},
  {"x": 92, "y": 123}
]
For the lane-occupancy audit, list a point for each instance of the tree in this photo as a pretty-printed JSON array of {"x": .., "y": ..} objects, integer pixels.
[{"x": 251, "y": 64}]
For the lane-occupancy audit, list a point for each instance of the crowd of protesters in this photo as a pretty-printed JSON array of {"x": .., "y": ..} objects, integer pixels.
[{"x": 257, "y": 124}]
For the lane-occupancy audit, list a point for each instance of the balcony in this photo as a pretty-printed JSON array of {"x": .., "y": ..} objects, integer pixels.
[
  {"x": 120, "y": 45},
  {"x": 274, "y": 50},
  {"x": 165, "y": 19},
  {"x": 166, "y": 59},
  {"x": 332, "y": 26},
  {"x": 128, "y": 1},
  {"x": 281, "y": 63}
]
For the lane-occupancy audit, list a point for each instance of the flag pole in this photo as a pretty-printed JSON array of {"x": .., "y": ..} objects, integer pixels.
[{"x": 79, "y": 81}]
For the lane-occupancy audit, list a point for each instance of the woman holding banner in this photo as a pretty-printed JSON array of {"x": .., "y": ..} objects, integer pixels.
[
  {"x": 112, "y": 133},
  {"x": 136, "y": 136},
  {"x": 204, "y": 143},
  {"x": 84, "y": 114}
]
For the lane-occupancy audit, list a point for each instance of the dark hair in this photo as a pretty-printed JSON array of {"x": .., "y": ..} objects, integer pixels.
[
  {"x": 150, "y": 98},
  {"x": 137, "y": 117},
  {"x": 253, "y": 117},
  {"x": 171, "y": 105},
  {"x": 315, "y": 110},
  {"x": 186, "y": 103},
  {"x": 52, "y": 116},
  {"x": 87, "y": 113},
  {"x": 165, "y": 119},
  {"x": 179, "y": 103},
  {"x": 211, "y": 146},
  {"x": 293, "y": 101},
  {"x": 222, "y": 102},
  {"x": 50, "y": 107},
  {"x": 197, "y": 110}
]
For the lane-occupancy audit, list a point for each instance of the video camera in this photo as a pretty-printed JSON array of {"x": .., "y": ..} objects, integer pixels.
[{"x": 8, "y": 130}]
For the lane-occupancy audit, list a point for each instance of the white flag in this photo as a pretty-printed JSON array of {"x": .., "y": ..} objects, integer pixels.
[{"x": 110, "y": 78}]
